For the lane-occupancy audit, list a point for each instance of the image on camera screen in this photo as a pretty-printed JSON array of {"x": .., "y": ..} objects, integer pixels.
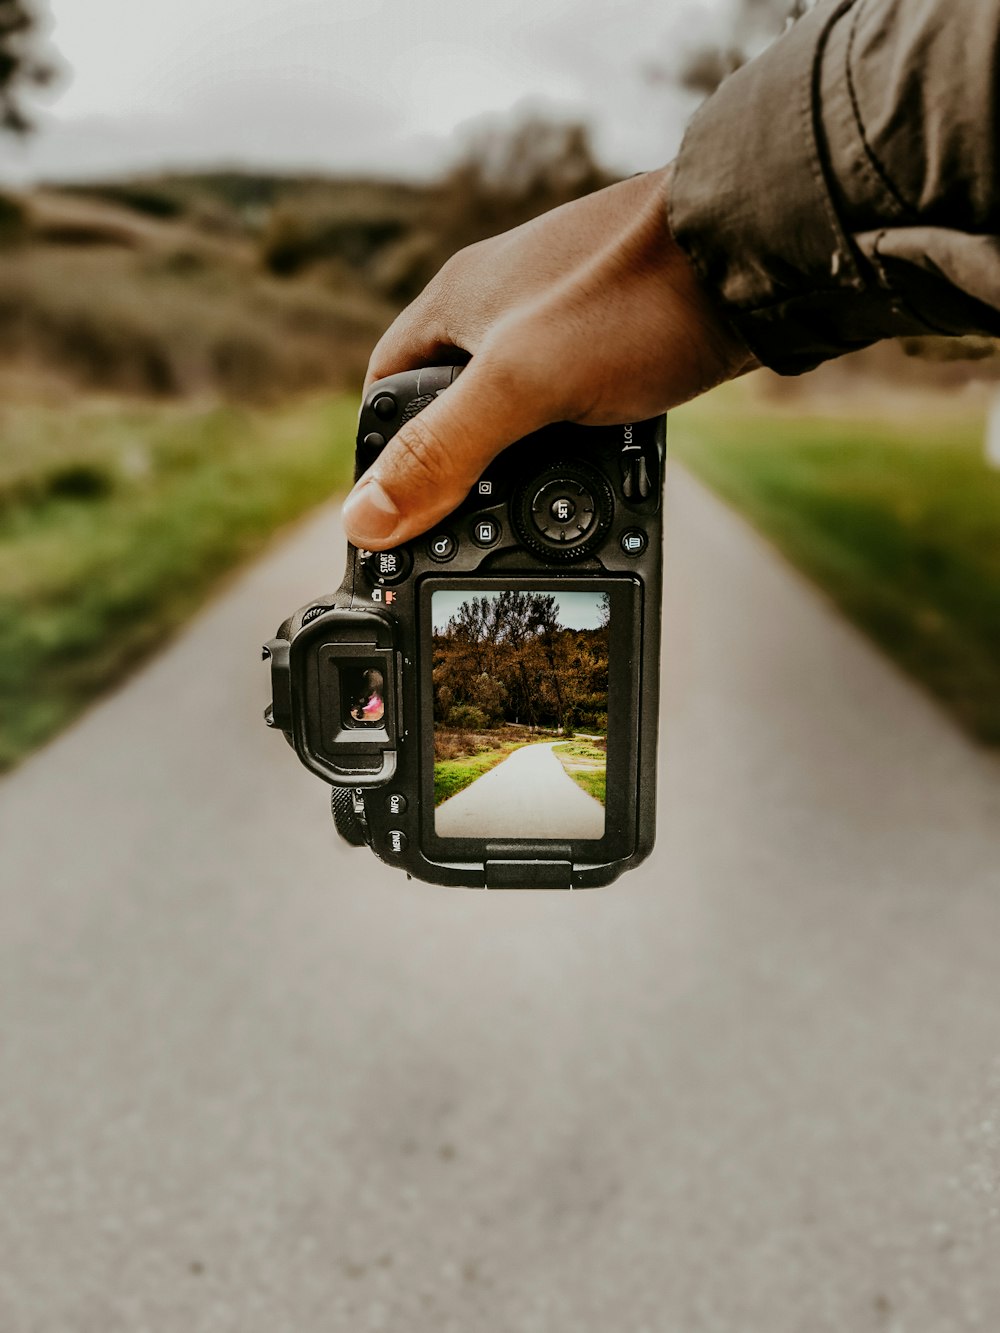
[
  {"x": 363, "y": 690},
  {"x": 520, "y": 683}
]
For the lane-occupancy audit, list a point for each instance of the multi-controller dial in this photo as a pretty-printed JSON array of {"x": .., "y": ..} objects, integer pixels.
[{"x": 564, "y": 512}]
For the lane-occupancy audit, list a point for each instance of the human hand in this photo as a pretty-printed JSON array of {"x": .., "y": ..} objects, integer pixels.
[{"x": 590, "y": 313}]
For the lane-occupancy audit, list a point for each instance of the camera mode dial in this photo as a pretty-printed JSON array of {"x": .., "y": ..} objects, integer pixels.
[{"x": 564, "y": 512}]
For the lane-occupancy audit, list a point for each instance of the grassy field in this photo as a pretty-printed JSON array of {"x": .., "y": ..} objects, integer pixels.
[
  {"x": 116, "y": 519},
  {"x": 899, "y": 522},
  {"x": 586, "y": 762}
]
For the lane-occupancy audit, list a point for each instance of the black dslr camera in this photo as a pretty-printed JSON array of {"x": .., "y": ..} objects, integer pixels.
[{"x": 484, "y": 698}]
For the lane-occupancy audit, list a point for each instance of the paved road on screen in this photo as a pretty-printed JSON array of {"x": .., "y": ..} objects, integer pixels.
[
  {"x": 528, "y": 795},
  {"x": 254, "y": 1082}
]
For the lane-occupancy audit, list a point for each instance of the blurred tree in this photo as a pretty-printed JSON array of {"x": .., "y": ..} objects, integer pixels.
[
  {"x": 506, "y": 174},
  {"x": 21, "y": 66},
  {"x": 509, "y": 173},
  {"x": 745, "y": 28}
]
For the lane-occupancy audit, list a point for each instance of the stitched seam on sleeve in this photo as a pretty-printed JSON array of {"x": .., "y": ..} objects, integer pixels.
[
  {"x": 810, "y": 110},
  {"x": 876, "y": 166}
]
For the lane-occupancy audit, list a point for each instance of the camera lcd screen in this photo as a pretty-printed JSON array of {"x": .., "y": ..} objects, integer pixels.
[{"x": 520, "y": 688}]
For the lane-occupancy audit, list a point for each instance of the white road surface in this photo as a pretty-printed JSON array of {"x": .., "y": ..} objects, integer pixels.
[
  {"x": 528, "y": 795},
  {"x": 254, "y": 1082}
]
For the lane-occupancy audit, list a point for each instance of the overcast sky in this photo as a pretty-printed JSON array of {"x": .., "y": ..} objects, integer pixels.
[{"x": 369, "y": 85}]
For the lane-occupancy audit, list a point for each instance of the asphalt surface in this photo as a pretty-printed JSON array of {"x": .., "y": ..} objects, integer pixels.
[
  {"x": 252, "y": 1081},
  {"x": 528, "y": 795}
]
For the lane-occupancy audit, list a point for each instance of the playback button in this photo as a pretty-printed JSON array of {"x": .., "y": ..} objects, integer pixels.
[{"x": 485, "y": 531}]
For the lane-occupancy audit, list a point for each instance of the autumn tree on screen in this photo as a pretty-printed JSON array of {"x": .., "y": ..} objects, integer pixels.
[{"x": 508, "y": 660}]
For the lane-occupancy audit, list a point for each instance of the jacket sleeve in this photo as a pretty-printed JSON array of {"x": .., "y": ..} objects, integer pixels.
[{"x": 845, "y": 187}]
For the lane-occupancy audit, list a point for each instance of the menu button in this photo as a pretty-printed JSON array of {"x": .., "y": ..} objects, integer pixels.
[{"x": 634, "y": 542}]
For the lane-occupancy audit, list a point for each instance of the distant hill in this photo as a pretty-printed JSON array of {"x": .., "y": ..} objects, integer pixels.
[
  {"x": 191, "y": 285},
  {"x": 247, "y": 197}
]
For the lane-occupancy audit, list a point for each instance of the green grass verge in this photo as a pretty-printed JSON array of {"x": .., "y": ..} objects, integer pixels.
[
  {"x": 453, "y": 775},
  {"x": 586, "y": 764},
  {"x": 116, "y": 520},
  {"x": 899, "y": 522}
]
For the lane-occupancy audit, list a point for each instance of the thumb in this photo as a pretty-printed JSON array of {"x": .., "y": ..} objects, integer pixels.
[{"x": 429, "y": 466}]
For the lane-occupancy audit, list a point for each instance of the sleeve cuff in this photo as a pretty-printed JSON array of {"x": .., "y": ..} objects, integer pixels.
[{"x": 752, "y": 205}]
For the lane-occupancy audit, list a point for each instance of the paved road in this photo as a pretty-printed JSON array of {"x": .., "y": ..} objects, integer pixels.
[
  {"x": 251, "y": 1082},
  {"x": 528, "y": 795}
]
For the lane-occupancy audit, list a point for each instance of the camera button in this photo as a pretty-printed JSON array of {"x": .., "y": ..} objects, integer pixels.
[
  {"x": 485, "y": 531},
  {"x": 634, "y": 542},
  {"x": 442, "y": 547},
  {"x": 489, "y": 491},
  {"x": 389, "y": 566},
  {"x": 397, "y": 841},
  {"x": 384, "y": 407},
  {"x": 563, "y": 509},
  {"x": 373, "y": 440},
  {"x": 395, "y": 803}
]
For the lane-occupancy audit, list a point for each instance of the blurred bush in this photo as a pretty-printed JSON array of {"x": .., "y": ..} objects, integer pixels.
[
  {"x": 505, "y": 175},
  {"x": 390, "y": 240},
  {"x": 305, "y": 233},
  {"x": 13, "y": 220}
]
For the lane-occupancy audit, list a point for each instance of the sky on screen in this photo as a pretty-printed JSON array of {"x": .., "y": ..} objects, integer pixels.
[{"x": 577, "y": 610}]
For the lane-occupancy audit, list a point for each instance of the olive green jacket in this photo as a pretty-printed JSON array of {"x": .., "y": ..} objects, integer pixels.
[{"x": 844, "y": 186}]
